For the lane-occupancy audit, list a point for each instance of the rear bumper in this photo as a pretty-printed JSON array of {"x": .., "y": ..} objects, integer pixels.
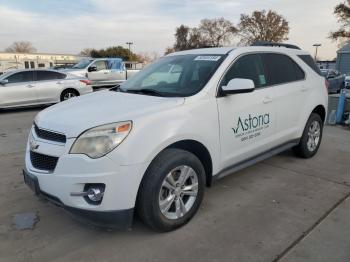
[{"x": 118, "y": 219}]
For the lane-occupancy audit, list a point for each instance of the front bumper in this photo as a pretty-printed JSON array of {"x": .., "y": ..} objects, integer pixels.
[
  {"x": 120, "y": 219},
  {"x": 71, "y": 174}
]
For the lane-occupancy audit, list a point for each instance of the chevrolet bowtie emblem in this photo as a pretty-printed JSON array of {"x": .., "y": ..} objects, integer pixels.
[{"x": 33, "y": 145}]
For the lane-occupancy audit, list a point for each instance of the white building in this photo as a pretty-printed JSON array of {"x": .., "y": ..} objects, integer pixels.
[{"x": 10, "y": 61}]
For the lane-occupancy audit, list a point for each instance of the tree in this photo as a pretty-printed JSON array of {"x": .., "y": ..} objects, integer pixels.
[
  {"x": 169, "y": 50},
  {"x": 217, "y": 32},
  {"x": 21, "y": 47},
  {"x": 86, "y": 52},
  {"x": 342, "y": 12},
  {"x": 209, "y": 33},
  {"x": 114, "y": 51},
  {"x": 263, "y": 26}
]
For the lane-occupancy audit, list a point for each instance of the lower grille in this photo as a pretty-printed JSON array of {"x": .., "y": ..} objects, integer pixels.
[{"x": 43, "y": 162}]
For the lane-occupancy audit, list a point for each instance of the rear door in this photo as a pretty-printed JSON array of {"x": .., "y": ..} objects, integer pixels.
[
  {"x": 49, "y": 85},
  {"x": 19, "y": 91},
  {"x": 291, "y": 91},
  {"x": 117, "y": 71},
  {"x": 247, "y": 120}
]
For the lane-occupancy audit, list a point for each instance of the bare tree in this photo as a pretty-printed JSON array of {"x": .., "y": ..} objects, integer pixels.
[
  {"x": 217, "y": 32},
  {"x": 342, "y": 12},
  {"x": 263, "y": 26},
  {"x": 210, "y": 32},
  {"x": 86, "y": 52},
  {"x": 21, "y": 47},
  {"x": 169, "y": 50}
]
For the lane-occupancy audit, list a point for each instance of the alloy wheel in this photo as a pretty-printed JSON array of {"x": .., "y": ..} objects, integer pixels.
[{"x": 178, "y": 192}]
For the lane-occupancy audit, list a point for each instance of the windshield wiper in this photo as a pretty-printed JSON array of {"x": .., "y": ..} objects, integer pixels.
[
  {"x": 145, "y": 91},
  {"x": 116, "y": 88}
]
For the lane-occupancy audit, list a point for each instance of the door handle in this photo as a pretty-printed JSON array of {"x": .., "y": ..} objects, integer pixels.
[
  {"x": 267, "y": 100},
  {"x": 303, "y": 89},
  {"x": 30, "y": 86},
  {"x": 59, "y": 82}
]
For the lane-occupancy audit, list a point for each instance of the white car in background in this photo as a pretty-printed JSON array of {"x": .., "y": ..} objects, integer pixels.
[{"x": 35, "y": 87}]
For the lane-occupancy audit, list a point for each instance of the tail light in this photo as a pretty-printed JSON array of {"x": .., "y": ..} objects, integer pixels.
[
  {"x": 86, "y": 81},
  {"x": 327, "y": 84}
]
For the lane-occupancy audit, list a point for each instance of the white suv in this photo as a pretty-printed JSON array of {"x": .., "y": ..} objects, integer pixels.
[{"x": 154, "y": 143}]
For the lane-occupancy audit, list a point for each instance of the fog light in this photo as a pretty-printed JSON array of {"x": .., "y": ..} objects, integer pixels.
[{"x": 95, "y": 194}]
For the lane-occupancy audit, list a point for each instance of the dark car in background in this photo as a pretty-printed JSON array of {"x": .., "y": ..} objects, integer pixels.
[{"x": 335, "y": 78}]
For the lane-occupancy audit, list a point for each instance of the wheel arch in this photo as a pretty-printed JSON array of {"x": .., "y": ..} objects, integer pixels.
[
  {"x": 200, "y": 151},
  {"x": 321, "y": 111}
]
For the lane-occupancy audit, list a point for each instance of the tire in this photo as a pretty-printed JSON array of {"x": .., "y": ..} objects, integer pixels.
[
  {"x": 311, "y": 138},
  {"x": 155, "y": 190},
  {"x": 68, "y": 94}
]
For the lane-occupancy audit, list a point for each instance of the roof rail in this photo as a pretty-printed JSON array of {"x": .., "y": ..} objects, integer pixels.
[{"x": 266, "y": 43}]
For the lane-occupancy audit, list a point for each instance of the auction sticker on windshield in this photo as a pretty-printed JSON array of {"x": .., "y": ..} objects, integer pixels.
[{"x": 207, "y": 58}]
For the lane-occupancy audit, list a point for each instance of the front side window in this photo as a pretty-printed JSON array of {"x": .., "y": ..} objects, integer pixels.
[
  {"x": 20, "y": 77},
  {"x": 180, "y": 75},
  {"x": 100, "y": 65},
  {"x": 282, "y": 69},
  {"x": 247, "y": 67},
  {"x": 48, "y": 75}
]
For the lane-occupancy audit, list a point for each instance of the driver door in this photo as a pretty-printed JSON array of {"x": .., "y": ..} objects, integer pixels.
[
  {"x": 101, "y": 73},
  {"x": 247, "y": 120}
]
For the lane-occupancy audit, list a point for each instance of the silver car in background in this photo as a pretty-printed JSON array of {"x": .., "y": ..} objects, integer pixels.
[{"x": 35, "y": 87}]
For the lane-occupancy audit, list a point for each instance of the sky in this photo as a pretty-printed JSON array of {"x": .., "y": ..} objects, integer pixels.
[{"x": 68, "y": 26}]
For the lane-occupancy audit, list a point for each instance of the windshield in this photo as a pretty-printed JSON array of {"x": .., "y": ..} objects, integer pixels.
[
  {"x": 82, "y": 64},
  {"x": 181, "y": 75}
]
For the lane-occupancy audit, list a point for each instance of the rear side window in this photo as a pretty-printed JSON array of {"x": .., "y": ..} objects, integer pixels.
[
  {"x": 48, "y": 75},
  {"x": 247, "y": 67},
  {"x": 282, "y": 69},
  {"x": 311, "y": 63},
  {"x": 26, "y": 76}
]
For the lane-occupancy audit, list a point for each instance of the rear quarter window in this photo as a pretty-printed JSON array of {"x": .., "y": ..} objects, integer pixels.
[{"x": 307, "y": 59}]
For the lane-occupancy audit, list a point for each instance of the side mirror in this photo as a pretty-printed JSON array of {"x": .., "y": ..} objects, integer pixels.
[
  {"x": 4, "y": 82},
  {"x": 92, "y": 69},
  {"x": 238, "y": 85}
]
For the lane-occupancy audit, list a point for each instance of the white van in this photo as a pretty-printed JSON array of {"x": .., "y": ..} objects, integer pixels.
[{"x": 152, "y": 146}]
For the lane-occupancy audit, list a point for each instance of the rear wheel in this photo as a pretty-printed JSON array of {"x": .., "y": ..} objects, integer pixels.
[
  {"x": 68, "y": 94},
  {"x": 311, "y": 139},
  {"x": 172, "y": 190}
]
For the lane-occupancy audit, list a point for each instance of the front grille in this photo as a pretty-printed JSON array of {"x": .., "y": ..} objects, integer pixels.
[
  {"x": 48, "y": 135},
  {"x": 43, "y": 162}
]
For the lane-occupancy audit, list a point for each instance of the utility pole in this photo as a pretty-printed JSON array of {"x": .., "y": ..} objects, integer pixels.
[
  {"x": 316, "y": 46},
  {"x": 129, "y": 44}
]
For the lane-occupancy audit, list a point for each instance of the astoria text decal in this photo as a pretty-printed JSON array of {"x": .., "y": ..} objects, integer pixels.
[{"x": 251, "y": 126}]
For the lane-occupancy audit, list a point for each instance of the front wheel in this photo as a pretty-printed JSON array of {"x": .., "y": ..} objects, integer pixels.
[
  {"x": 311, "y": 139},
  {"x": 171, "y": 190}
]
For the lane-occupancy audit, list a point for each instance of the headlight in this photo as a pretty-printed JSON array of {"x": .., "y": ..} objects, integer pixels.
[{"x": 99, "y": 141}]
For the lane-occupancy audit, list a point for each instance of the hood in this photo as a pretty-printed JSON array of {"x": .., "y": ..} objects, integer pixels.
[{"x": 78, "y": 114}]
